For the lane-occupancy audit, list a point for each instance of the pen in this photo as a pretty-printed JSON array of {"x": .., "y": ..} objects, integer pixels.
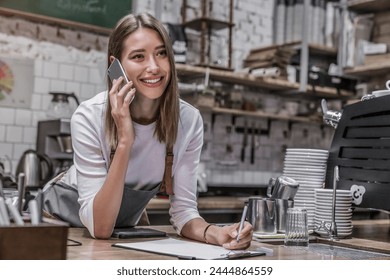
[{"x": 242, "y": 222}]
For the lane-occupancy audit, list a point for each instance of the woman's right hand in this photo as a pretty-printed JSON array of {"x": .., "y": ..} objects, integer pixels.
[{"x": 120, "y": 99}]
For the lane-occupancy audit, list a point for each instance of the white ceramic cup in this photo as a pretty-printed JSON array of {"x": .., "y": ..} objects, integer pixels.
[{"x": 379, "y": 93}]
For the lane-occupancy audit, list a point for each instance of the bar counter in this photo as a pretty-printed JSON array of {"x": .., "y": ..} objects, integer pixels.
[{"x": 373, "y": 235}]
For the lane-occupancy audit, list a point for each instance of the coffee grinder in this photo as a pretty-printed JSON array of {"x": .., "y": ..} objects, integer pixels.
[{"x": 54, "y": 140}]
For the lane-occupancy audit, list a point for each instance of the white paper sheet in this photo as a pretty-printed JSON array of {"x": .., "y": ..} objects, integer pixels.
[{"x": 186, "y": 249}]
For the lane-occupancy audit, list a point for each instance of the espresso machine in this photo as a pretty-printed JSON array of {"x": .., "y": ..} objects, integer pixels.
[{"x": 54, "y": 140}]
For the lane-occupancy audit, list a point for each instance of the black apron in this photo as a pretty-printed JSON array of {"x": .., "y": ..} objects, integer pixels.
[{"x": 133, "y": 204}]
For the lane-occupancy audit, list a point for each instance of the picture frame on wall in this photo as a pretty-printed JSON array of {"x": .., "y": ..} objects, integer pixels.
[{"x": 16, "y": 82}]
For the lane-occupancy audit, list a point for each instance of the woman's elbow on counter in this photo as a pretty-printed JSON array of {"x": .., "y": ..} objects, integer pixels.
[
  {"x": 103, "y": 235},
  {"x": 103, "y": 232}
]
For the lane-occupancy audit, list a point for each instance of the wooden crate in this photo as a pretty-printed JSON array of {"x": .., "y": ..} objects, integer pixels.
[{"x": 42, "y": 242}]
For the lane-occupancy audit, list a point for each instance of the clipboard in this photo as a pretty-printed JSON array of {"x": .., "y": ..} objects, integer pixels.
[{"x": 188, "y": 250}]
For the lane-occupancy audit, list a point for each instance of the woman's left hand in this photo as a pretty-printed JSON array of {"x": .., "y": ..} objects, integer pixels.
[{"x": 227, "y": 236}]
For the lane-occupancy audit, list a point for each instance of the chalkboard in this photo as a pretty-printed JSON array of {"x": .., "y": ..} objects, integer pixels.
[{"x": 101, "y": 13}]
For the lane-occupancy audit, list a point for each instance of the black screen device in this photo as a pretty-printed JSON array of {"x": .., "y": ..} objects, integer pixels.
[{"x": 136, "y": 232}]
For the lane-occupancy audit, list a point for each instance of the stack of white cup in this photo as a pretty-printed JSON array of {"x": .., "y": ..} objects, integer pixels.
[{"x": 308, "y": 168}]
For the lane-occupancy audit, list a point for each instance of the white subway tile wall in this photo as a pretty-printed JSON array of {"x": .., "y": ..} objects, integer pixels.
[
  {"x": 56, "y": 68},
  {"x": 63, "y": 68}
]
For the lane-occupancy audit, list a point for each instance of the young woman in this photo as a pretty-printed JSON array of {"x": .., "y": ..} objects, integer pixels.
[{"x": 121, "y": 139}]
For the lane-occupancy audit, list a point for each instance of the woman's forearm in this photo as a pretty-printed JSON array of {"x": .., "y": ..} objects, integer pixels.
[
  {"x": 107, "y": 202},
  {"x": 195, "y": 229}
]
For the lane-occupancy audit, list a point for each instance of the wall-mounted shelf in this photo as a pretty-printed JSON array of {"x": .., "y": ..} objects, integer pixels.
[
  {"x": 205, "y": 25},
  {"x": 313, "y": 48},
  {"x": 369, "y": 5},
  {"x": 214, "y": 23},
  {"x": 377, "y": 65},
  {"x": 259, "y": 114},
  {"x": 323, "y": 50},
  {"x": 370, "y": 70},
  {"x": 278, "y": 85}
]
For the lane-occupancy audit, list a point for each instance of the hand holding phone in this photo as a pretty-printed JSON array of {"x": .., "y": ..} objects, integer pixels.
[{"x": 115, "y": 71}]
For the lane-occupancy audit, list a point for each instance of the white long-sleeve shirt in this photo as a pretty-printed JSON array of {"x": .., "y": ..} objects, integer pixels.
[{"x": 147, "y": 160}]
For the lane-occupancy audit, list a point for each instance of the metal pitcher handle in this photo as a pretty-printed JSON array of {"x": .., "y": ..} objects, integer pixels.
[{"x": 271, "y": 185}]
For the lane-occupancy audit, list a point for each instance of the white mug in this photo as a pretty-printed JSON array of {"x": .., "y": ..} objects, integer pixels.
[{"x": 378, "y": 93}]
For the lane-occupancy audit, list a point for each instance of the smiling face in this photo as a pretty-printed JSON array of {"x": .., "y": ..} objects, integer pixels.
[{"x": 146, "y": 63}]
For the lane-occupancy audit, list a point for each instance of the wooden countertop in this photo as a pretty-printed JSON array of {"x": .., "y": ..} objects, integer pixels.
[{"x": 373, "y": 235}]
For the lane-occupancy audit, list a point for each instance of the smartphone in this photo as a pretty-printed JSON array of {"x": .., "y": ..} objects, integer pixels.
[
  {"x": 136, "y": 232},
  {"x": 115, "y": 71}
]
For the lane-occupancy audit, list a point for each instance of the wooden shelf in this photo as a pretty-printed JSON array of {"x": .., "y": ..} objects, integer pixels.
[
  {"x": 380, "y": 64},
  {"x": 369, "y": 5},
  {"x": 313, "y": 48},
  {"x": 380, "y": 68},
  {"x": 323, "y": 50},
  {"x": 259, "y": 114},
  {"x": 216, "y": 24},
  {"x": 282, "y": 86},
  {"x": 205, "y": 24}
]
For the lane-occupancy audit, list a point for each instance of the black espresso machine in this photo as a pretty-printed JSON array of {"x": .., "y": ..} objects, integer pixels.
[{"x": 361, "y": 150}]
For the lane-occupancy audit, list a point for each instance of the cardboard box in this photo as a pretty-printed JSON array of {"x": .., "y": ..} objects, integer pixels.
[{"x": 42, "y": 242}]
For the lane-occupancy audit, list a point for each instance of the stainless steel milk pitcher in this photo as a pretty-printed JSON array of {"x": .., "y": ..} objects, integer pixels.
[
  {"x": 282, "y": 187},
  {"x": 282, "y": 205},
  {"x": 262, "y": 214}
]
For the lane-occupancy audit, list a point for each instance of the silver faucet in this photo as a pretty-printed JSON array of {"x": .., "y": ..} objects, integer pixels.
[
  {"x": 331, "y": 118},
  {"x": 331, "y": 227}
]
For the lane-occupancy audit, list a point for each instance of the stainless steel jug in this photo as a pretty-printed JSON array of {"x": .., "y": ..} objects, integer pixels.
[
  {"x": 282, "y": 188},
  {"x": 37, "y": 168},
  {"x": 281, "y": 213},
  {"x": 262, "y": 214}
]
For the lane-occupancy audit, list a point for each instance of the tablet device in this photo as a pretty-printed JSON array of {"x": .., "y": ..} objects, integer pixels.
[{"x": 136, "y": 232}]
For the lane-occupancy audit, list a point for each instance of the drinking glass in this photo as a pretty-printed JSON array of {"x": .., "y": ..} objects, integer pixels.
[{"x": 296, "y": 228}]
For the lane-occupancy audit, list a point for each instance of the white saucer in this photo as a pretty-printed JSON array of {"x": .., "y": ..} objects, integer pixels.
[
  {"x": 344, "y": 213},
  {"x": 340, "y": 197},
  {"x": 303, "y": 197},
  {"x": 306, "y": 162},
  {"x": 329, "y": 208},
  {"x": 309, "y": 151},
  {"x": 295, "y": 167},
  {"x": 304, "y": 175},
  {"x": 339, "y": 204},
  {"x": 299, "y": 156},
  {"x": 328, "y": 219},
  {"x": 330, "y": 192}
]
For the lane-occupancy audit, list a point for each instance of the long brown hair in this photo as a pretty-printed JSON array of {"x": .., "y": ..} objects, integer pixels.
[{"x": 168, "y": 113}]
